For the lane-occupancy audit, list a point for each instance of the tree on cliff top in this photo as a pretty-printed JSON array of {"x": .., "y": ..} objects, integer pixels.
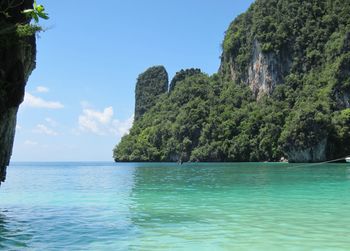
[
  {"x": 181, "y": 75},
  {"x": 16, "y": 17}
]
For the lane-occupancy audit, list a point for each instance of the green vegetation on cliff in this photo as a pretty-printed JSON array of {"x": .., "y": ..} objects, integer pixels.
[
  {"x": 283, "y": 90},
  {"x": 181, "y": 75},
  {"x": 150, "y": 84}
]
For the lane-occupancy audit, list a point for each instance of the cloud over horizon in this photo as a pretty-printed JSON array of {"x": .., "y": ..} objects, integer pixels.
[{"x": 102, "y": 122}]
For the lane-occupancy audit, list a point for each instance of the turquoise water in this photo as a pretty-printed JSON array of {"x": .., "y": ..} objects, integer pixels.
[{"x": 108, "y": 206}]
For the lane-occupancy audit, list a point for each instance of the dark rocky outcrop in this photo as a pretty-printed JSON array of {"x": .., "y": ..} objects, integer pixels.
[
  {"x": 150, "y": 85},
  {"x": 17, "y": 61}
]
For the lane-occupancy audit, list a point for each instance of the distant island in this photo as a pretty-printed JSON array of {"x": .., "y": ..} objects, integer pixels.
[{"x": 282, "y": 92}]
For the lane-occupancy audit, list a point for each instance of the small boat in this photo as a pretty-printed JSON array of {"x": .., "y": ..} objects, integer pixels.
[{"x": 347, "y": 159}]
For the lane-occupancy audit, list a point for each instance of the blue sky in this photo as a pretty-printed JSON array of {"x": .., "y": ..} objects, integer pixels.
[{"x": 80, "y": 98}]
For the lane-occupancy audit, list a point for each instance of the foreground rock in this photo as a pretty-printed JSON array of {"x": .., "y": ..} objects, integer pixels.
[{"x": 17, "y": 61}]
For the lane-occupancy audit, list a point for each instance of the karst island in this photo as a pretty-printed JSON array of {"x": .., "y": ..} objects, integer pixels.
[{"x": 175, "y": 125}]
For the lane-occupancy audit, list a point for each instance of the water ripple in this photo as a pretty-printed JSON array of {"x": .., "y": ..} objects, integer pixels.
[{"x": 164, "y": 207}]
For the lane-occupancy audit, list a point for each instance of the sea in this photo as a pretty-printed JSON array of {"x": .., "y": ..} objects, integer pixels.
[{"x": 166, "y": 206}]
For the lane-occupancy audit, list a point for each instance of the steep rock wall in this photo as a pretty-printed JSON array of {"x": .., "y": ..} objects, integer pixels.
[
  {"x": 316, "y": 153},
  {"x": 17, "y": 61},
  {"x": 265, "y": 71},
  {"x": 7, "y": 134}
]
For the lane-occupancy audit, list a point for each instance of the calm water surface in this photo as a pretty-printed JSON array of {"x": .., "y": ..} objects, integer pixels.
[{"x": 108, "y": 206}]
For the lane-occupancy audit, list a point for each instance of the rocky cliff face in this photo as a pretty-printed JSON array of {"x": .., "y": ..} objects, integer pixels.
[
  {"x": 282, "y": 43},
  {"x": 315, "y": 153},
  {"x": 265, "y": 71},
  {"x": 7, "y": 134},
  {"x": 17, "y": 61}
]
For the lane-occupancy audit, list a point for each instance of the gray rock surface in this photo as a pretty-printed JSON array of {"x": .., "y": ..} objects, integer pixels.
[
  {"x": 265, "y": 72},
  {"x": 7, "y": 134},
  {"x": 316, "y": 153}
]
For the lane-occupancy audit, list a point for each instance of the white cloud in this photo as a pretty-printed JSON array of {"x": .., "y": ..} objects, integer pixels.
[
  {"x": 42, "y": 89},
  {"x": 30, "y": 143},
  {"x": 88, "y": 124},
  {"x": 95, "y": 121},
  {"x": 42, "y": 129},
  {"x": 102, "y": 122},
  {"x": 18, "y": 127},
  {"x": 102, "y": 117},
  {"x": 36, "y": 102},
  {"x": 120, "y": 128},
  {"x": 51, "y": 122}
]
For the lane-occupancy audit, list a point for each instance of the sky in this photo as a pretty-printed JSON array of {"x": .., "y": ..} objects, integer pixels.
[{"x": 80, "y": 99}]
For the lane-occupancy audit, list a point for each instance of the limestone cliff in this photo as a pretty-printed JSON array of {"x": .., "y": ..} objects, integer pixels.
[
  {"x": 150, "y": 85},
  {"x": 17, "y": 61},
  {"x": 266, "y": 70},
  {"x": 316, "y": 153},
  {"x": 286, "y": 43},
  {"x": 282, "y": 90}
]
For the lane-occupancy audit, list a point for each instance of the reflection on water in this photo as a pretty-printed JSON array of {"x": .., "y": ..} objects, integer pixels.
[{"x": 107, "y": 206}]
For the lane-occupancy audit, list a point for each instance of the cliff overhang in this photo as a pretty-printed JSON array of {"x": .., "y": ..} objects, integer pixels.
[{"x": 17, "y": 61}]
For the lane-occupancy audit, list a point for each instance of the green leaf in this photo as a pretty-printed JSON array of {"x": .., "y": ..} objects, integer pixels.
[
  {"x": 43, "y": 15},
  {"x": 36, "y": 18},
  {"x": 40, "y": 8}
]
